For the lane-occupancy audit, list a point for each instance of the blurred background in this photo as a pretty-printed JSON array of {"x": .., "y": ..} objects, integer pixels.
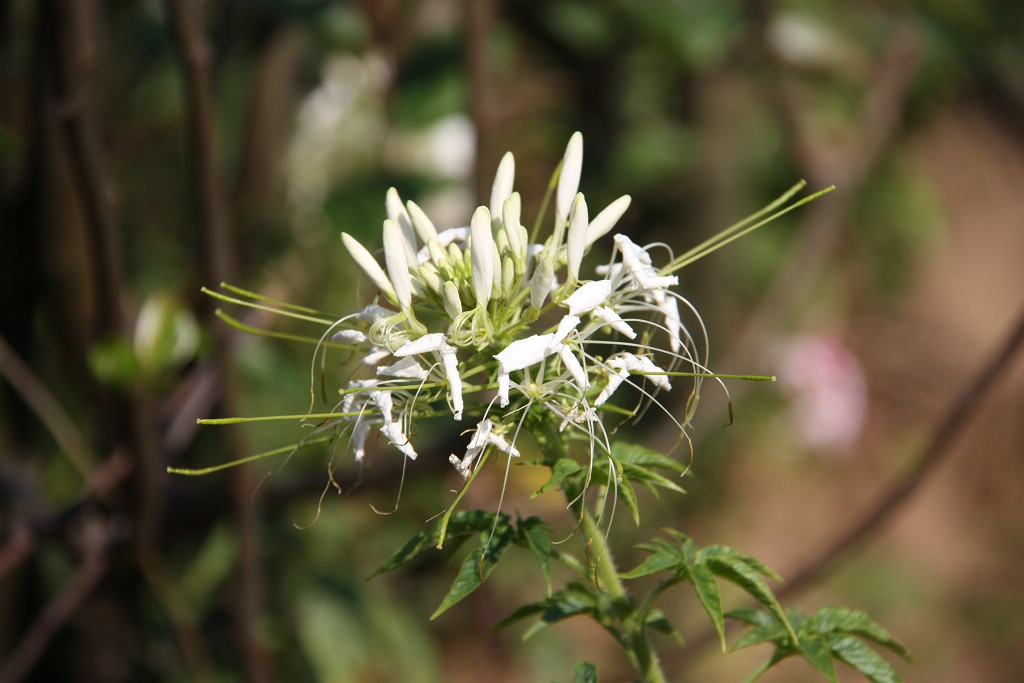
[{"x": 150, "y": 148}]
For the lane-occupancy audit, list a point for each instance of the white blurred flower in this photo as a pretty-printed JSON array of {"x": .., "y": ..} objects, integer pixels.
[{"x": 827, "y": 389}]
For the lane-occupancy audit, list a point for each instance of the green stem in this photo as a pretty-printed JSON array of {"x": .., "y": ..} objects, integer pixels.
[{"x": 631, "y": 636}]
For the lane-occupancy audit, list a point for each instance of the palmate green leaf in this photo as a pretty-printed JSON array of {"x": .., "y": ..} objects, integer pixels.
[
  {"x": 704, "y": 583},
  {"x": 479, "y": 564},
  {"x": 865, "y": 660},
  {"x": 575, "y": 599},
  {"x": 462, "y": 525},
  {"x": 564, "y": 468},
  {"x": 644, "y": 457},
  {"x": 734, "y": 567},
  {"x": 854, "y": 622},
  {"x": 831, "y": 634},
  {"x": 584, "y": 672},
  {"x": 657, "y": 620},
  {"x": 533, "y": 532},
  {"x": 664, "y": 556}
]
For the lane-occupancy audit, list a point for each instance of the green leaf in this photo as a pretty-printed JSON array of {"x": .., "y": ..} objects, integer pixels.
[
  {"x": 462, "y": 524},
  {"x": 564, "y": 468},
  {"x": 819, "y": 655},
  {"x": 479, "y": 565},
  {"x": 730, "y": 565},
  {"x": 534, "y": 532},
  {"x": 645, "y": 457},
  {"x": 575, "y": 599},
  {"x": 865, "y": 660},
  {"x": 664, "y": 556},
  {"x": 707, "y": 592},
  {"x": 657, "y": 620},
  {"x": 627, "y": 495},
  {"x": 851, "y": 621},
  {"x": 584, "y": 672}
]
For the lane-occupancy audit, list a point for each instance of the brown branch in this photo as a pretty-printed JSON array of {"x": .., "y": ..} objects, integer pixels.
[
  {"x": 46, "y": 407},
  {"x": 219, "y": 265},
  {"x": 71, "y": 93},
  {"x": 59, "y": 610},
  {"x": 959, "y": 415}
]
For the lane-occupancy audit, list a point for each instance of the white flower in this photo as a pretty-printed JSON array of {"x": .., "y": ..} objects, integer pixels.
[{"x": 481, "y": 310}]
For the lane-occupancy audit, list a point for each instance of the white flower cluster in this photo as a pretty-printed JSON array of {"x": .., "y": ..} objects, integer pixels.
[{"x": 479, "y": 310}]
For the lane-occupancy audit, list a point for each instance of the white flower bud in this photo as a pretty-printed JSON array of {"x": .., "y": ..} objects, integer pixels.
[
  {"x": 569, "y": 178},
  {"x": 606, "y": 220},
  {"x": 428, "y": 273},
  {"x": 482, "y": 255},
  {"x": 395, "y": 259},
  {"x": 510, "y": 217},
  {"x": 423, "y": 226},
  {"x": 452, "y": 300},
  {"x": 365, "y": 260},
  {"x": 540, "y": 283},
  {"x": 502, "y": 187},
  {"x": 577, "y": 240},
  {"x": 508, "y": 276},
  {"x": 396, "y": 212}
]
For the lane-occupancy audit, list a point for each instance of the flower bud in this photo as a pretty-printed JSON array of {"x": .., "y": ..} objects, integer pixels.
[
  {"x": 577, "y": 237},
  {"x": 502, "y": 187},
  {"x": 451, "y": 299},
  {"x": 365, "y": 260},
  {"x": 482, "y": 255},
  {"x": 395, "y": 260}
]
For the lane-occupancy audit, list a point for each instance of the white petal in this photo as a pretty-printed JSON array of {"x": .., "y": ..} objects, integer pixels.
[
  {"x": 523, "y": 353},
  {"x": 349, "y": 337},
  {"x": 376, "y": 355},
  {"x": 614, "y": 380},
  {"x": 407, "y": 368},
  {"x": 610, "y": 317},
  {"x": 393, "y": 431},
  {"x": 482, "y": 252},
  {"x": 638, "y": 262},
  {"x": 503, "y": 387},
  {"x": 382, "y": 399},
  {"x": 424, "y": 344},
  {"x": 397, "y": 263},
  {"x": 503, "y": 181},
  {"x": 668, "y": 305},
  {"x": 446, "y": 237},
  {"x": 569, "y": 178},
  {"x": 574, "y": 368},
  {"x": 606, "y": 220},
  {"x": 589, "y": 296},
  {"x": 359, "y": 433},
  {"x": 373, "y": 313},
  {"x": 365, "y": 260},
  {"x": 451, "y": 371},
  {"x": 567, "y": 324},
  {"x": 577, "y": 240}
]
